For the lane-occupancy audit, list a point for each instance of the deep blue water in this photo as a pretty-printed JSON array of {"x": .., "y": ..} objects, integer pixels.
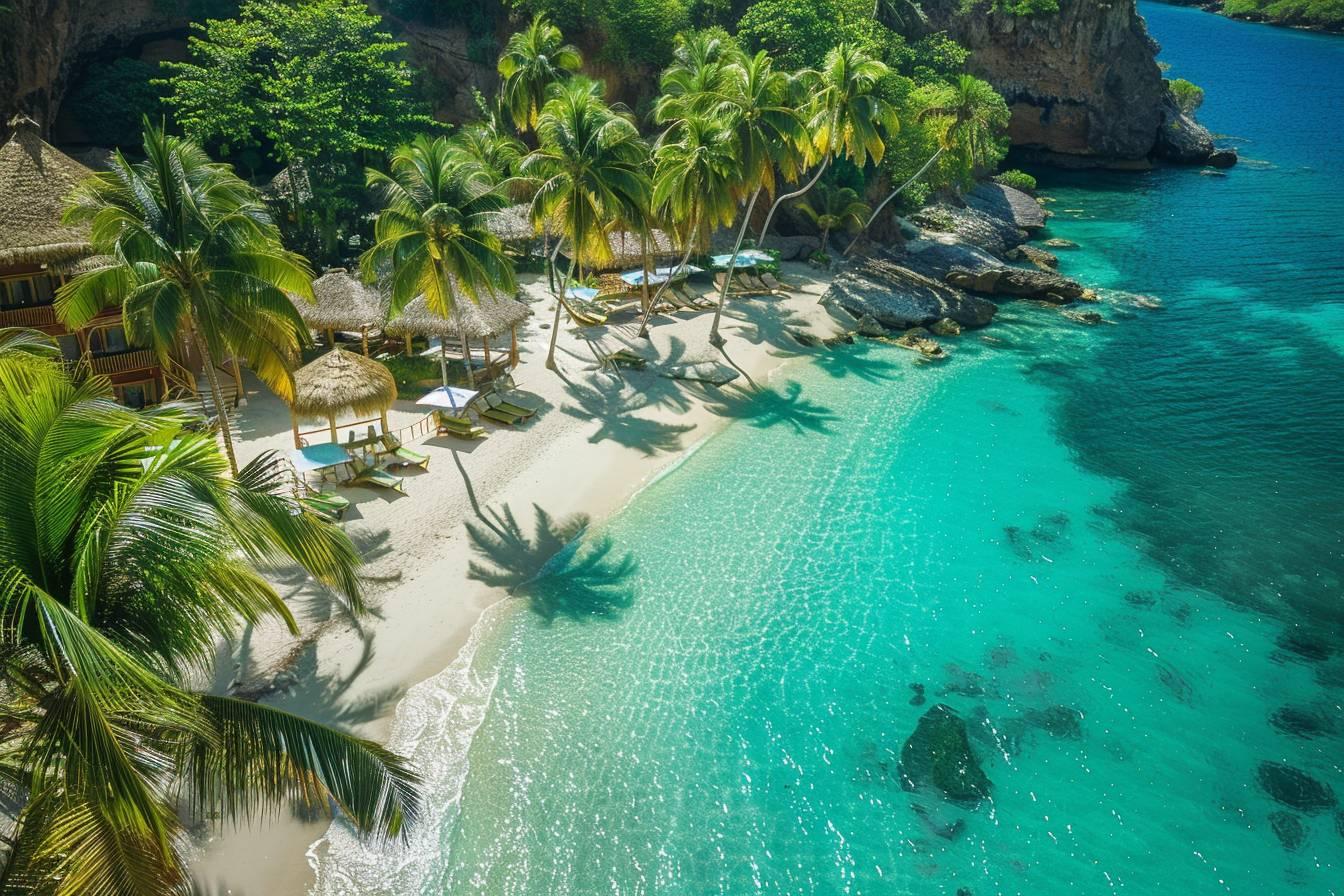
[{"x": 1114, "y": 550}]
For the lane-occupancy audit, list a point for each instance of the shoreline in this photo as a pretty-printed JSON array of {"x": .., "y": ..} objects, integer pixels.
[{"x": 575, "y": 459}]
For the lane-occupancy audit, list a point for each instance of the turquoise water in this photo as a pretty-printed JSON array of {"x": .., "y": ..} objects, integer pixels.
[{"x": 1140, "y": 521}]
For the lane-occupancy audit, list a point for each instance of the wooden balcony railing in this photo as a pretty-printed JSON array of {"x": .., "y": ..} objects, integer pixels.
[
  {"x": 124, "y": 362},
  {"x": 33, "y": 316}
]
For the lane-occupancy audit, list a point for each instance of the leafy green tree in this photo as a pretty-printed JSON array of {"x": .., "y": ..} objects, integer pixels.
[
  {"x": 433, "y": 236},
  {"x": 795, "y": 35},
  {"x": 533, "y": 60},
  {"x": 697, "y": 172},
  {"x": 589, "y": 173},
  {"x": 1187, "y": 95},
  {"x": 194, "y": 256},
  {"x": 113, "y": 98},
  {"x": 830, "y": 207},
  {"x": 127, "y": 550},
  {"x": 847, "y": 117},
  {"x": 316, "y": 84}
]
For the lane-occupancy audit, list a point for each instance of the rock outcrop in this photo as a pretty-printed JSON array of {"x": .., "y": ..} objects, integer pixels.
[
  {"x": 880, "y": 287},
  {"x": 937, "y": 758},
  {"x": 1046, "y": 286},
  {"x": 1009, "y": 204},
  {"x": 1083, "y": 84}
]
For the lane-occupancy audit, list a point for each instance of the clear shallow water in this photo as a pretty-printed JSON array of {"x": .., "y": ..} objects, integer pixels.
[{"x": 1127, "y": 520}]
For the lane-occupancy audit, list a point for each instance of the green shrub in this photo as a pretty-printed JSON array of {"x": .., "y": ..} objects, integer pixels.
[
  {"x": 1188, "y": 96},
  {"x": 113, "y": 98},
  {"x": 1018, "y": 180}
]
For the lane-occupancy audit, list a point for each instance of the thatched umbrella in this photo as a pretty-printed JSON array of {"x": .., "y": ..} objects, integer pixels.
[
  {"x": 627, "y": 248},
  {"x": 341, "y": 302},
  {"x": 492, "y": 316},
  {"x": 35, "y": 180},
  {"x": 338, "y": 382}
]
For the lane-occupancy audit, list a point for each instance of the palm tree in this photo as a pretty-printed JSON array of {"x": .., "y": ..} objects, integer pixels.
[
  {"x": 533, "y": 60},
  {"x": 193, "y": 254},
  {"x": 847, "y": 117},
  {"x": 831, "y": 207},
  {"x": 966, "y": 113},
  {"x": 497, "y": 153},
  {"x": 757, "y": 101},
  {"x": 696, "y": 169},
  {"x": 127, "y": 550},
  {"x": 433, "y": 236},
  {"x": 589, "y": 173},
  {"x": 697, "y": 78}
]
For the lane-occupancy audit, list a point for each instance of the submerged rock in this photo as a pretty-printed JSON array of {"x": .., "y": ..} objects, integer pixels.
[
  {"x": 1302, "y": 721},
  {"x": 1059, "y": 243},
  {"x": 917, "y": 339},
  {"x": 882, "y": 288},
  {"x": 1290, "y": 830},
  {"x": 945, "y": 327},
  {"x": 938, "y": 756},
  {"x": 1307, "y": 644},
  {"x": 1144, "y": 599},
  {"x": 1174, "y": 682},
  {"x": 1057, "y": 721},
  {"x": 1018, "y": 282},
  {"x": 1046, "y": 261},
  {"x": 1294, "y": 787},
  {"x": 1086, "y": 318}
]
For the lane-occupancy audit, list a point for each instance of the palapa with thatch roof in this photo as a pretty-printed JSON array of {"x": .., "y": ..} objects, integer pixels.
[
  {"x": 337, "y": 382},
  {"x": 35, "y": 179},
  {"x": 341, "y": 302},
  {"x": 627, "y": 251},
  {"x": 493, "y": 316}
]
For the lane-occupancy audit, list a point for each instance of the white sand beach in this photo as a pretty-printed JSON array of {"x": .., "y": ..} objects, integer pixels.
[{"x": 601, "y": 436}]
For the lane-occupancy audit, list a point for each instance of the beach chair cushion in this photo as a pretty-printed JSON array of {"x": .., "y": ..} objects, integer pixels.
[
  {"x": 325, "y": 504},
  {"x": 403, "y": 454},
  {"x": 367, "y": 472},
  {"x": 458, "y": 427}
]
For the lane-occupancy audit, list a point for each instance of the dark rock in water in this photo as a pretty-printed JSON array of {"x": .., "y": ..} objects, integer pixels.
[
  {"x": 1046, "y": 261},
  {"x": 1290, "y": 830},
  {"x": 967, "y": 683},
  {"x": 1182, "y": 139},
  {"x": 1222, "y": 158},
  {"x": 1307, "y": 644},
  {"x": 1301, "y": 721},
  {"x": 1017, "y": 540},
  {"x": 1059, "y": 243},
  {"x": 1143, "y": 599},
  {"x": 1294, "y": 787},
  {"x": 917, "y": 339},
  {"x": 1339, "y": 824},
  {"x": 1087, "y": 318},
  {"x": 938, "y": 756},
  {"x": 882, "y": 288},
  {"x": 945, "y": 327},
  {"x": 1001, "y": 656},
  {"x": 937, "y": 824},
  {"x": 1051, "y": 528},
  {"x": 918, "y": 698},
  {"x": 1007, "y": 204},
  {"x": 1017, "y": 282},
  {"x": 1057, "y": 721},
  {"x": 964, "y": 891},
  {"x": 1174, "y": 682}
]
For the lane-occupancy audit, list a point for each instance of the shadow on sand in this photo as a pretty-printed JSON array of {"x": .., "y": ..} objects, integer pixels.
[
  {"x": 765, "y": 408},
  {"x": 616, "y": 412},
  {"x": 558, "y": 569}
]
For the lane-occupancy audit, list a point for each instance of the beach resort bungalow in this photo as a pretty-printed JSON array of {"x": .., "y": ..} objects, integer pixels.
[{"x": 38, "y": 253}]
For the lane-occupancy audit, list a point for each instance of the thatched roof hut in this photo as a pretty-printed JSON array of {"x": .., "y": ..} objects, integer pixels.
[
  {"x": 494, "y": 315},
  {"x": 627, "y": 250},
  {"x": 35, "y": 179},
  {"x": 339, "y": 382},
  {"x": 341, "y": 302}
]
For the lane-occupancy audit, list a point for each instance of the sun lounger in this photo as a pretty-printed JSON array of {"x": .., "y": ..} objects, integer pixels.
[
  {"x": 624, "y": 358},
  {"x": 333, "y": 507},
  {"x": 405, "y": 456},
  {"x": 494, "y": 402},
  {"x": 481, "y": 405},
  {"x": 368, "y": 472},
  {"x": 457, "y": 427},
  {"x": 530, "y": 403}
]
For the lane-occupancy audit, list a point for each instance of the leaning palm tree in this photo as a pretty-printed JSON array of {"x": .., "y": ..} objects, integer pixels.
[
  {"x": 193, "y": 254},
  {"x": 697, "y": 166},
  {"x": 497, "y": 153},
  {"x": 697, "y": 78},
  {"x": 433, "y": 236},
  {"x": 127, "y": 551},
  {"x": 847, "y": 117},
  {"x": 589, "y": 174},
  {"x": 830, "y": 207},
  {"x": 965, "y": 115},
  {"x": 533, "y": 60}
]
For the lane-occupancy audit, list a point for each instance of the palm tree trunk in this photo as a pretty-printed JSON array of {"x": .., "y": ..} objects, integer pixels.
[
  {"x": 690, "y": 247},
  {"x": 559, "y": 303},
  {"x": 216, "y": 395},
  {"x": 894, "y": 193},
  {"x": 794, "y": 195},
  {"x": 825, "y": 239},
  {"x": 714, "y": 337}
]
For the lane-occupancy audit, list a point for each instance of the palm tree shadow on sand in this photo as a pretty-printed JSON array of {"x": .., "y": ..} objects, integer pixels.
[
  {"x": 860, "y": 363},
  {"x": 558, "y": 569},
  {"x": 616, "y": 413},
  {"x": 768, "y": 407}
]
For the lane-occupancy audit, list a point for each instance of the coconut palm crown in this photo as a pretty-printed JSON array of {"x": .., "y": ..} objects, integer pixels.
[{"x": 533, "y": 60}]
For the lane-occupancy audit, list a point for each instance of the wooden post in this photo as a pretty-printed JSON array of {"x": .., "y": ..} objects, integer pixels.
[
  {"x": 364, "y": 339},
  {"x": 335, "y": 437},
  {"x": 406, "y": 345},
  {"x": 331, "y": 338},
  {"x": 513, "y": 346},
  {"x": 382, "y": 415},
  {"x": 485, "y": 342},
  {"x": 294, "y": 423}
]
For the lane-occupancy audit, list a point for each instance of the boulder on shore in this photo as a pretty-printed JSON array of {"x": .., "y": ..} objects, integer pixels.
[
  {"x": 1008, "y": 204},
  {"x": 1018, "y": 282},
  {"x": 1294, "y": 787},
  {"x": 898, "y": 298},
  {"x": 989, "y": 231},
  {"x": 938, "y": 757},
  {"x": 1046, "y": 261}
]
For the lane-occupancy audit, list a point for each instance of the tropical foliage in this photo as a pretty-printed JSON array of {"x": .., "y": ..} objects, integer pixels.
[
  {"x": 192, "y": 256},
  {"x": 1187, "y": 95},
  {"x": 533, "y": 60},
  {"x": 127, "y": 549},
  {"x": 832, "y": 207}
]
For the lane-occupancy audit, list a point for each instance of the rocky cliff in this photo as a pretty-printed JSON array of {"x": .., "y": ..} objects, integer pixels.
[
  {"x": 42, "y": 42},
  {"x": 1083, "y": 84}
]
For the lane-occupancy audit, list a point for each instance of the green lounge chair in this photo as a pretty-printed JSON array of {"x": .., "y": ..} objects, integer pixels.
[
  {"x": 366, "y": 472},
  {"x": 485, "y": 411},
  {"x": 504, "y": 389},
  {"x": 331, "y": 506},
  {"x": 493, "y": 402},
  {"x": 457, "y": 427},
  {"x": 405, "y": 456}
]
